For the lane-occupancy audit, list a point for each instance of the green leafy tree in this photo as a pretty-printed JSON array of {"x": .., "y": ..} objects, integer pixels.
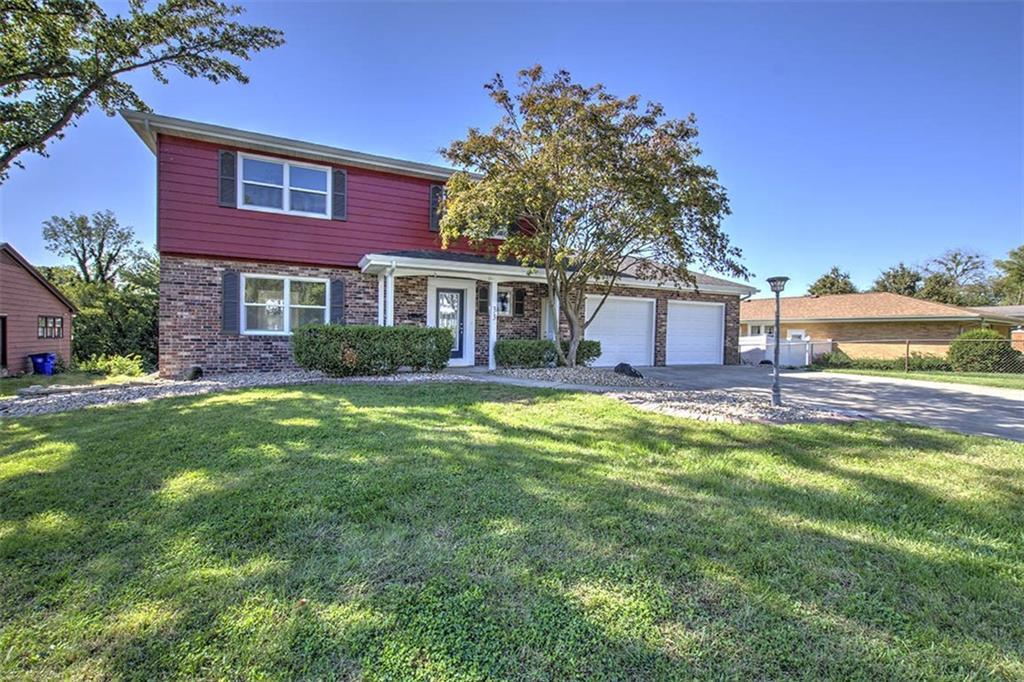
[
  {"x": 114, "y": 283},
  {"x": 899, "y": 279},
  {"x": 99, "y": 246},
  {"x": 958, "y": 277},
  {"x": 121, "y": 318},
  {"x": 1010, "y": 283},
  {"x": 941, "y": 288},
  {"x": 835, "y": 281},
  {"x": 962, "y": 266},
  {"x": 58, "y": 58},
  {"x": 593, "y": 186}
]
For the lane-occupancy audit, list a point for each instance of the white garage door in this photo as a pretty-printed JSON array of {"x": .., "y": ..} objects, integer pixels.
[
  {"x": 625, "y": 328},
  {"x": 695, "y": 333}
]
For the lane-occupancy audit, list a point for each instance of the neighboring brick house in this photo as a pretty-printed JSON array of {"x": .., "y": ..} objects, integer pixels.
[
  {"x": 874, "y": 324},
  {"x": 34, "y": 316},
  {"x": 258, "y": 234}
]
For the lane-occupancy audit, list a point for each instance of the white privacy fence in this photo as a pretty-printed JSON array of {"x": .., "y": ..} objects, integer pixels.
[{"x": 755, "y": 349}]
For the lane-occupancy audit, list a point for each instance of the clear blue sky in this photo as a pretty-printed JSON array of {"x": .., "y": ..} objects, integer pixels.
[{"x": 854, "y": 134}]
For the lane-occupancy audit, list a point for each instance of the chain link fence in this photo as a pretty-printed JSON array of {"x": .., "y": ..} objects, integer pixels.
[{"x": 999, "y": 356}]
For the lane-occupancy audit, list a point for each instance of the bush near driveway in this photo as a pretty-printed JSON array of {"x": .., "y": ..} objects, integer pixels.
[
  {"x": 364, "y": 350},
  {"x": 467, "y": 532}
]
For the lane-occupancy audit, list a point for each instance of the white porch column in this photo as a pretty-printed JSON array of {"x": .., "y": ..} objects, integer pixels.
[
  {"x": 389, "y": 306},
  {"x": 380, "y": 300},
  {"x": 492, "y": 322}
]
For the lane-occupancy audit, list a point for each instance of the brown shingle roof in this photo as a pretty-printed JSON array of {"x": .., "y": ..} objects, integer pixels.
[{"x": 856, "y": 307}]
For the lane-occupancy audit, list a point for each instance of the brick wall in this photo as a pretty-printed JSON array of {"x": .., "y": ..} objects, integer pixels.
[
  {"x": 526, "y": 326},
  {"x": 190, "y": 315}
]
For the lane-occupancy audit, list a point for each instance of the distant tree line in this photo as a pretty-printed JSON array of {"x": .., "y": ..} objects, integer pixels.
[{"x": 958, "y": 277}]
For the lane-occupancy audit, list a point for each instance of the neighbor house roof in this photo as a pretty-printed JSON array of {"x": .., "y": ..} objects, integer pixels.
[
  {"x": 859, "y": 308},
  {"x": 1005, "y": 310},
  {"x": 438, "y": 261},
  {"x": 147, "y": 126},
  {"x": 20, "y": 260}
]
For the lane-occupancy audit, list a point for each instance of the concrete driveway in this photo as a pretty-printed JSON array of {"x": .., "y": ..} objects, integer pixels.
[{"x": 981, "y": 410}]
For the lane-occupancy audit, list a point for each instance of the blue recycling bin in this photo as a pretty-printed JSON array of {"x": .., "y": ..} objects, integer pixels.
[{"x": 42, "y": 363}]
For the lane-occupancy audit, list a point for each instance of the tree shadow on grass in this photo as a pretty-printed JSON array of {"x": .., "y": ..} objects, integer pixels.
[{"x": 481, "y": 531}]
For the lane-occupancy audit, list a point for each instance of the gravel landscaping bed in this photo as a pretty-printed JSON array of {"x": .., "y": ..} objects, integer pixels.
[
  {"x": 733, "y": 406},
  {"x": 581, "y": 376},
  {"x": 77, "y": 397}
]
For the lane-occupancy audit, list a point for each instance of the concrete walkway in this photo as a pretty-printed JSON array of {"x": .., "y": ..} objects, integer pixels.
[{"x": 981, "y": 410}]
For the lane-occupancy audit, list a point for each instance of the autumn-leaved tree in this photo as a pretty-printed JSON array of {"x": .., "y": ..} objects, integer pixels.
[
  {"x": 593, "y": 186},
  {"x": 835, "y": 281},
  {"x": 58, "y": 58}
]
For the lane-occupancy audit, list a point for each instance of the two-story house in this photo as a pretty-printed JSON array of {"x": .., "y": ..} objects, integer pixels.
[{"x": 259, "y": 234}]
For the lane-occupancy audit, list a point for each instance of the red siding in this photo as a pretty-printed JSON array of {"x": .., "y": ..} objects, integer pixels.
[
  {"x": 22, "y": 300},
  {"x": 386, "y": 212}
]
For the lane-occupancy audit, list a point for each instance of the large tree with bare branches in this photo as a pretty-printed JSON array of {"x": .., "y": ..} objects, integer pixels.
[
  {"x": 593, "y": 185},
  {"x": 58, "y": 58}
]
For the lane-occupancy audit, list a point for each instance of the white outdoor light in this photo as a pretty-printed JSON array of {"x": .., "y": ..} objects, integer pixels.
[{"x": 777, "y": 284}]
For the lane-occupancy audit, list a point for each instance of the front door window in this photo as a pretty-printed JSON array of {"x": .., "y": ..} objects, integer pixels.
[{"x": 449, "y": 314}]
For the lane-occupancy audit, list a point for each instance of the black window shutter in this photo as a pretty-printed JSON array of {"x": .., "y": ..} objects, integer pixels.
[
  {"x": 337, "y": 301},
  {"x": 519, "y": 302},
  {"x": 481, "y": 300},
  {"x": 339, "y": 195},
  {"x": 436, "y": 201},
  {"x": 229, "y": 317},
  {"x": 228, "y": 185}
]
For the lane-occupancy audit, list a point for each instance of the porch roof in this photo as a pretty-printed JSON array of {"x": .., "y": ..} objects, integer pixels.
[{"x": 489, "y": 268}]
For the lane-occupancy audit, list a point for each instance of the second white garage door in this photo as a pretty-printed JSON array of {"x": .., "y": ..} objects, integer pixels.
[
  {"x": 695, "y": 333},
  {"x": 625, "y": 328}
]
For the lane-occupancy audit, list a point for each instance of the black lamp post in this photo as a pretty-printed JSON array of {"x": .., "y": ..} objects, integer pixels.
[{"x": 777, "y": 284}]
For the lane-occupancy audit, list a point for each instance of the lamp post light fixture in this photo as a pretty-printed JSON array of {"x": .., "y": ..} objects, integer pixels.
[{"x": 777, "y": 284}]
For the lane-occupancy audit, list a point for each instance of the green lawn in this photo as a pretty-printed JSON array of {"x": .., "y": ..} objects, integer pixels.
[
  {"x": 977, "y": 378},
  {"x": 486, "y": 532},
  {"x": 11, "y": 385}
]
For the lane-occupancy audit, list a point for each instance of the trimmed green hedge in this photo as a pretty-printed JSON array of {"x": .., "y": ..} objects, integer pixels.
[
  {"x": 524, "y": 353},
  {"x": 541, "y": 352},
  {"x": 360, "y": 350},
  {"x": 587, "y": 352}
]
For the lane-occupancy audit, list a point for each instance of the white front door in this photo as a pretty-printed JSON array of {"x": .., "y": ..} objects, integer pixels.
[
  {"x": 695, "y": 333},
  {"x": 625, "y": 328},
  {"x": 450, "y": 303}
]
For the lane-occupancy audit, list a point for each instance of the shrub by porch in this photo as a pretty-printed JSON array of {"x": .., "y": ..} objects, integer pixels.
[{"x": 357, "y": 350}]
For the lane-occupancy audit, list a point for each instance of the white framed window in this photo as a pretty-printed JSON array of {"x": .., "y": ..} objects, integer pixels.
[
  {"x": 768, "y": 329},
  {"x": 277, "y": 186},
  {"x": 796, "y": 335},
  {"x": 755, "y": 329},
  {"x": 504, "y": 302},
  {"x": 277, "y": 305}
]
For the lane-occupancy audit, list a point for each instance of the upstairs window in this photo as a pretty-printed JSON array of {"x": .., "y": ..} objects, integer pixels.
[
  {"x": 49, "y": 327},
  {"x": 283, "y": 186}
]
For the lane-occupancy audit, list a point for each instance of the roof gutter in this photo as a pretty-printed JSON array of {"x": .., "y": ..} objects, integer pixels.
[{"x": 147, "y": 126}]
